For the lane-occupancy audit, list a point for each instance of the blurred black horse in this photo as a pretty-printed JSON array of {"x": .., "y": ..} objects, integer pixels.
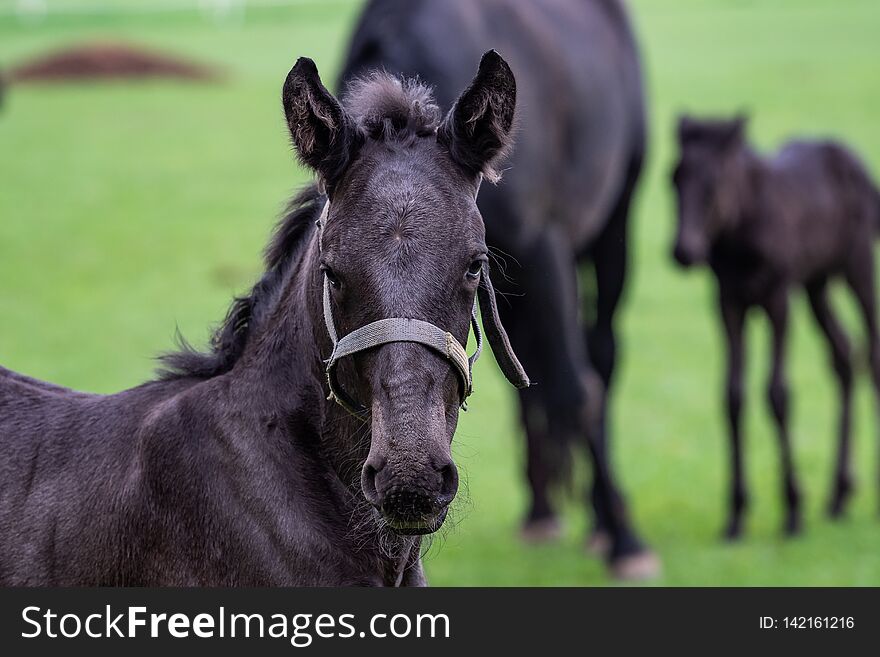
[
  {"x": 767, "y": 226},
  {"x": 564, "y": 201}
]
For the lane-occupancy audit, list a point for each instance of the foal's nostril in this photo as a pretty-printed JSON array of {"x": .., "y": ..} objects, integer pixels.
[
  {"x": 408, "y": 505},
  {"x": 368, "y": 484},
  {"x": 449, "y": 487}
]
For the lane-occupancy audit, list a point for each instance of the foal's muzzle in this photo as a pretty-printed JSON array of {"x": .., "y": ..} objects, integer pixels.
[{"x": 411, "y": 507}]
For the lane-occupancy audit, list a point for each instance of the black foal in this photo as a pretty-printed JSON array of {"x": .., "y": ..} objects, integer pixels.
[{"x": 765, "y": 226}]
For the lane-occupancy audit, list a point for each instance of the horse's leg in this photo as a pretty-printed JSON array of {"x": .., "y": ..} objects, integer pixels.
[
  {"x": 609, "y": 256},
  {"x": 840, "y": 355},
  {"x": 777, "y": 394},
  {"x": 541, "y": 522},
  {"x": 571, "y": 391},
  {"x": 860, "y": 276},
  {"x": 733, "y": 316},
  {"x": 629, "y": 559}
]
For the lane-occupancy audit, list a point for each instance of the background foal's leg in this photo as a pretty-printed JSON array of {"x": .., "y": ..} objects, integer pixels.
[
  {"x": 733, "y": 316},
  {"x": 840, "y": 355},
  {"x": 777, "y": 394}
]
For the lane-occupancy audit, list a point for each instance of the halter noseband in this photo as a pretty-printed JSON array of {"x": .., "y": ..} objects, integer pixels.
[{"x": 392, "y": 329}]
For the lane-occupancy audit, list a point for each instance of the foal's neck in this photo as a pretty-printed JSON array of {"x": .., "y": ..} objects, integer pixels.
[
  {"x": 744, "y": 181},
  {"x": 284, "y": 367},
  {"x": 286, "y": 363}
]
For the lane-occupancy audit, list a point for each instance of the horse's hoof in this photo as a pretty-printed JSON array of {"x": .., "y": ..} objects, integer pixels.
[
  {"x": 793, "y": 527},
  {"x": 836, "y": 511},
  {"x": 837, "y": 508},
  {"x": 599, "y": 543},
  {"x": 732, "y": 533},
  {"x": 543, "y": 530},
  {"x": 640, "y": 566},
  {"x": 839, "y": 498}
]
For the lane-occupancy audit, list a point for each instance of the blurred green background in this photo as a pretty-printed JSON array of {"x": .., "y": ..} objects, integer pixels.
[{"x": 127, "y": 209}]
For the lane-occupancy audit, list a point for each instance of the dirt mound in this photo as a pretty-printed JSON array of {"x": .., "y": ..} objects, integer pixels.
[{"x": 105, "y": 61}]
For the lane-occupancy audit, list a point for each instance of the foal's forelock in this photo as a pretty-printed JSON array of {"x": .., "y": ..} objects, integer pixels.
[{"x": 388, "y": 108}]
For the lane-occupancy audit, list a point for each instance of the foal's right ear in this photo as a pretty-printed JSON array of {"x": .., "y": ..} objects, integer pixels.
[
  {"x": 324, "y": 136},
  {"x": 478, "y": 129},
  {"x": 688, "y": 127},
  {"x": 738, "y": 126}
]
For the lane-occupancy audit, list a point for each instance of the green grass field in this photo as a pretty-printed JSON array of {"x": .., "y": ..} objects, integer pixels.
[{"x": 129, "y": 209}]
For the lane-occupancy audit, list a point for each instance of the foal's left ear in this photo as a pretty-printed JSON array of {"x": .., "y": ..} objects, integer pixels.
[
  {"x": 735, "y": 134},
  {"x": 478, "y": 129},
  {"x": 324, "y": 136}
]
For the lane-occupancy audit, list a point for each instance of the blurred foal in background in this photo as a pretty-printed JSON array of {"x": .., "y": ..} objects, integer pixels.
[{"x": 767, "y": 225}]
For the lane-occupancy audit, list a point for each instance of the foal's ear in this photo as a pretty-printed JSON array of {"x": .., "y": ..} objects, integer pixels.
[
  {"x": 324, "y": 136},
  {"x": 478, "y": 129},
  {"x": 733, "y": 133},
  {"x": 687, "y": 126},
  {"x": 738, "y": 126}
]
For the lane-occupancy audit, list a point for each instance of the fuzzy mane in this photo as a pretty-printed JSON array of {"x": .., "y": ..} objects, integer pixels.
[
  {"x": 229, "y": 339},
  {"x": 389, "y": 108}
]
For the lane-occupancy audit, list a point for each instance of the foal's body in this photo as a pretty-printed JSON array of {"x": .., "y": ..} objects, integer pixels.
[
  {"x": 797, "y": 219},
  {"x": 190, "y": 482},
  {"x": 803, "y": 222}
]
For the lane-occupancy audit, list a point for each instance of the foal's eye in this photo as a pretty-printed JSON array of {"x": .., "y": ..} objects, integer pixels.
[
  {"x": 473, "y": 272},
  {"x": 332, "y": 278}
]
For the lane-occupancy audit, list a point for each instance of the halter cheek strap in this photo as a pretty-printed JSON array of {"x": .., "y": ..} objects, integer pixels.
[{"x": 389, "y": 330}]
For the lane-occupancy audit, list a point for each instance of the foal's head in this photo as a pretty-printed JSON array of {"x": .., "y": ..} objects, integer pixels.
[
  {"x": 706, "y": 179},
  {"x": 402, "y": 238}
]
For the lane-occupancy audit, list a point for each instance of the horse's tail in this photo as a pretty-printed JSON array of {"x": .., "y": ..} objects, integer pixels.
[
  {"x": 861, "y": 189},
  {"x": 876, "y": 193},
  {"x": 864, "y": 182}
]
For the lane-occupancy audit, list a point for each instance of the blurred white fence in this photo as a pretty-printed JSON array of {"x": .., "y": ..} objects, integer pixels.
[{"x": 34, "y": 11}]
